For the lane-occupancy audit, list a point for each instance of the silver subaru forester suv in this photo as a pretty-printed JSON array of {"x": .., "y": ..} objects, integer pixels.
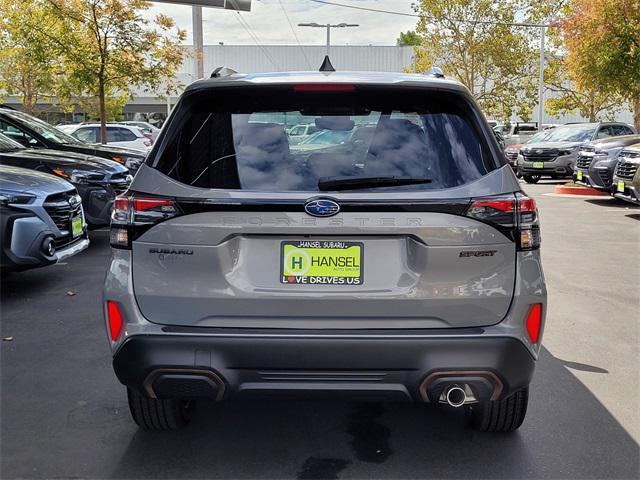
[{"x": 390, "y": 256}]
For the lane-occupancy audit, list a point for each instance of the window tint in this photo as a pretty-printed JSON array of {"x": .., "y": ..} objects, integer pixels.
[
  {"x": 87, "y": 134},
  {"x": 40, "y": 127},
  {"x": 16, "y": 134},
  {"x": 621, "y": 130},
  {"x": 225, "y": 142},
  {"x": 605, "y": 132},
  {"x": 117, "y": 134}
]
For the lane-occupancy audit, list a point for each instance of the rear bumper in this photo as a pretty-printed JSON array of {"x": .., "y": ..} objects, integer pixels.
[{"x": 373, "y": 366}]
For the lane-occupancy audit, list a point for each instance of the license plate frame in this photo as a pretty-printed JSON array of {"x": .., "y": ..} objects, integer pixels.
[
  {"x": 620, "y": 186},
  {"x": 579, "y": 175},
  {"x": 321, "y": 262},
  {"x": 538, "y": 164}
]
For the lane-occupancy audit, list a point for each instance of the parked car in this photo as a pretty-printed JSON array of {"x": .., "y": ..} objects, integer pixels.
[
  {"x": 41, "y": 220},
  {"x": 555, "y": 155},
  {"x": 518, "y": 132},
  {"x": 299, "y": 133},
  {"x": 597, "y": 160},
  {"x": 405, "y": 270},
  {"x": 97, "y": 180},
  {"x": 32, "y": 132},
  {"x": 117, "y": 135},
  {"x": 147, "y": 129},
  {"x": 626, "y": 177},
  {"x": 511, "y": 152}
]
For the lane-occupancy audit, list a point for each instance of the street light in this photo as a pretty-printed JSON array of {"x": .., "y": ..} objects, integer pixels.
[{"x": 328, "y": 26}]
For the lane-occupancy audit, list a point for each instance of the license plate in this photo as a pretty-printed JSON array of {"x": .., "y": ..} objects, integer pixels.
[
  {"x": 621, "y": 186},
  {"x": 579, "y": 176},
  {"x": 76, "y": 226},
  {"x": 321, "y": 262},
  {"x": 538, "y": 164}
]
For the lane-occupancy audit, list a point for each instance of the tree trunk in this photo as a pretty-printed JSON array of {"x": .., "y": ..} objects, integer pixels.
[
  {"x": 636, "y": 113},
  {"x": 103, "y": 112}
]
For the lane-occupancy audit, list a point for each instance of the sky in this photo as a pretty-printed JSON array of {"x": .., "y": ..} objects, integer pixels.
[{"x": 268, "y": 22}]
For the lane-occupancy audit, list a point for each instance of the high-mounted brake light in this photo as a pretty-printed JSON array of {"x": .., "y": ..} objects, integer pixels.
[
  {"x": 323, "y": 87},
  {"x": 533, "y": 322},
  {"x": 114, "y": 318},
  {"x": 132, "y": 216}
]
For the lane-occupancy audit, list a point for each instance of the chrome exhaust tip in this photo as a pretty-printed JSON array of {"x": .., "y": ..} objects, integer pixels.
[{"x": 455, "y": 396}]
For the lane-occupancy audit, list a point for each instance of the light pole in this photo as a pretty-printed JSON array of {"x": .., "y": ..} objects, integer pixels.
[
  {"x": 196, "y": 18},
  {"x": 328, "y": 26},
  {"x": 541, "y": 81}
]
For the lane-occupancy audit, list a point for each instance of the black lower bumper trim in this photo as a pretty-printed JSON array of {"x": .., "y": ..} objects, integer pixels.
[{"x": 307, "y": 366}]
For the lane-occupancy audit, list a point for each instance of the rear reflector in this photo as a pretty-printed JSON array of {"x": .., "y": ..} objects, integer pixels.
[
  {"x": 115, "y": 320},
  {"x": 533, "y": 323},
  {"x": 323, "y": 87}
]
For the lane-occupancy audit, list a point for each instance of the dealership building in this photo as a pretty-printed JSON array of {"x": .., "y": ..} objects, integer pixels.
[{"x": 269, "y": 58}]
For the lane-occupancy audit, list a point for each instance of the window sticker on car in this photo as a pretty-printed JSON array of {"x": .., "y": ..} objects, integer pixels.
[{"x": 321, "y": 262}]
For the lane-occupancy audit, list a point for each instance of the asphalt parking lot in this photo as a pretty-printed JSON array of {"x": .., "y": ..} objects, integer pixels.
[{"x": 64, "y": 415}]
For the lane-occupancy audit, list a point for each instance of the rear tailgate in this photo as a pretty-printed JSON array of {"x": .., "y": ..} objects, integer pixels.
[{"x": 417, "y": 270}]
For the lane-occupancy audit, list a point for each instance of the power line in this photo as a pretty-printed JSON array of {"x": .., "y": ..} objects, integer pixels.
[
  {"x": 247, "y": 28},
  {"x": 417, "y": 15},
  {"x": 294, "y": 34}
]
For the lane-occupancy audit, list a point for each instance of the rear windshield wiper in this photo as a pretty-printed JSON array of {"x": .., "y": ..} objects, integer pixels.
[{"x": 354, "y": 183}]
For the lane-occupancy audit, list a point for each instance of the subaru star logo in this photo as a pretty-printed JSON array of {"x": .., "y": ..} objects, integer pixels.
[{"x": 321, "y": 208}]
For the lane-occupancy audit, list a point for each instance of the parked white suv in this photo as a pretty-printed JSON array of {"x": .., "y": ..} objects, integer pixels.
[{"x": 117, "y": 134}]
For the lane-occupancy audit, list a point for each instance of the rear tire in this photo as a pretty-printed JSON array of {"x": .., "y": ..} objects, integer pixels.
[
  {"x": 501, "y": 415},
  {"x": 157, "y": 414},
  {"x": 531, "y": 178}
]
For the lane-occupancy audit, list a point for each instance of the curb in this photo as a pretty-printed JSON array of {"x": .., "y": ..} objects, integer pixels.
[{"x": 577, "y": 190}]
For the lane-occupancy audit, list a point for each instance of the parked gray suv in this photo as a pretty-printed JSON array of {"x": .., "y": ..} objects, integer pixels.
[
  {"x": 597, "y": 161},
  {"x": 403, "y": 265},
  {"x": 555, "y": 156},
  {"x": 41, "y": 219}
]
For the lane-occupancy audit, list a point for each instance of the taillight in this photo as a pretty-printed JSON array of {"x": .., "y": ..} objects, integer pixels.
[
  {"x": 533, "y": 322},
  {"x": 133, "y": 215},
  {"x": 114, "y": 319},
  {"x": 514, "y": 215}
]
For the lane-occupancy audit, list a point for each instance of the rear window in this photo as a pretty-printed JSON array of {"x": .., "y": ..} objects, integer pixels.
[{"x": 232, "y": 139}]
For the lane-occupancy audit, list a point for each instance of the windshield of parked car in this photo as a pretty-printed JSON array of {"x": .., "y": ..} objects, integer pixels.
[
  {"x": 571, "y": 133},
  {"x": 240, "y": 140},
  {"x": 41, "y": 127},
  {"x": 8, "y": 145},
  {"x": 539, "y": 137}
]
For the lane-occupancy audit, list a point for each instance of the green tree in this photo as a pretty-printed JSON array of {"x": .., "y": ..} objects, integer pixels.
[
  {"x": 471, "y": 41},
  {"x": 27, "y": 68},
  {"x": 602, "y": 38},
  {"x": 109, "y": 47},
  {"x": 408, "y": 39},
  {"x": 568, "y": 97}
]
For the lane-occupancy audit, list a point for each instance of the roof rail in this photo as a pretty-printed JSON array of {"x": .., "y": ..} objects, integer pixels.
[
  {"x": 222, "y": 72},
  {"x": 437, "y": 72}
]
